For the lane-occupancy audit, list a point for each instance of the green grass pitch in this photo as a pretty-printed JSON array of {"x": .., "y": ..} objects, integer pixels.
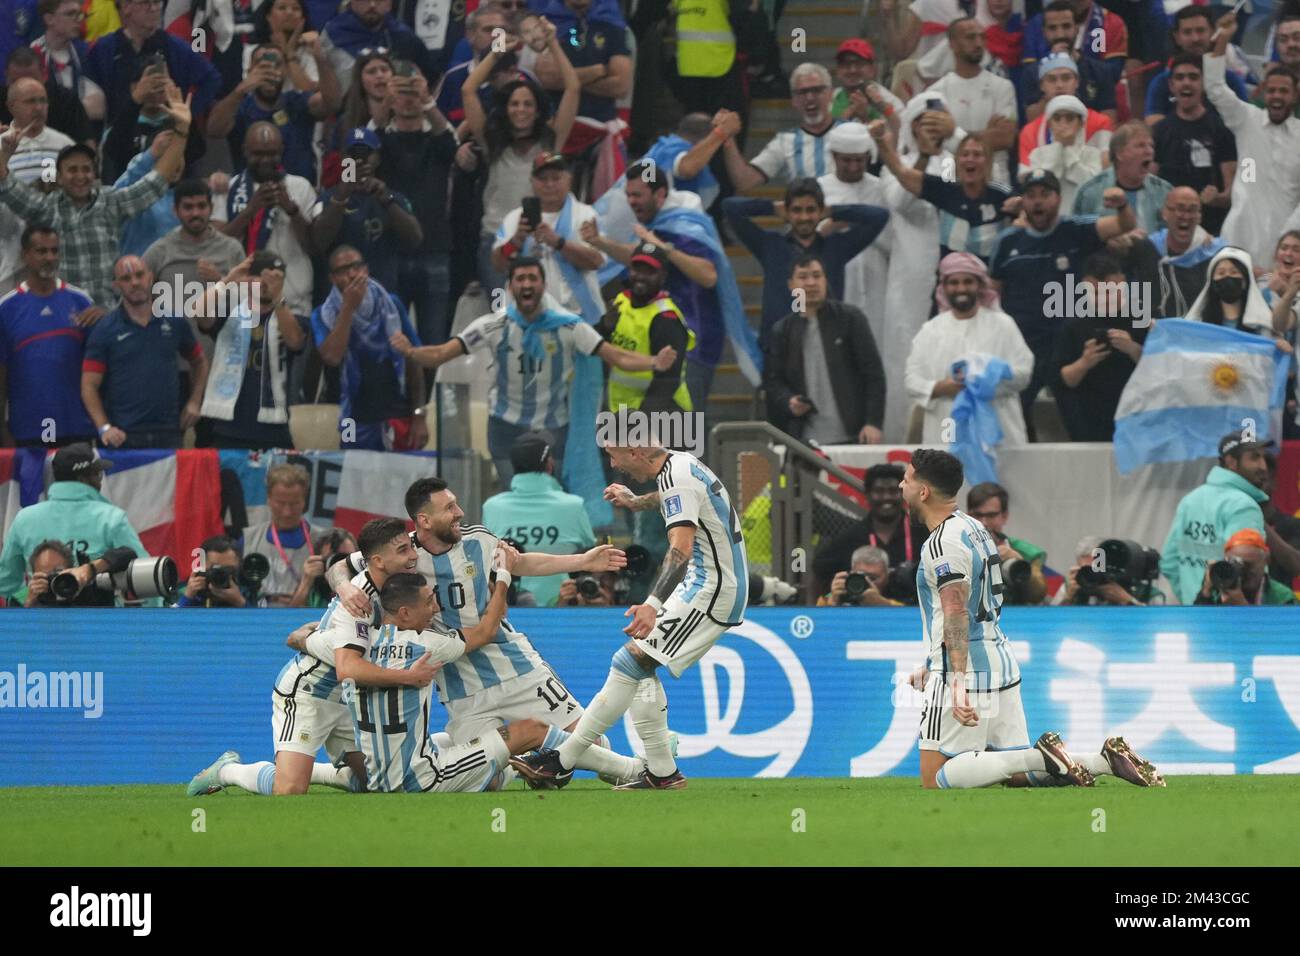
[{"x": 1197, "y": 821}]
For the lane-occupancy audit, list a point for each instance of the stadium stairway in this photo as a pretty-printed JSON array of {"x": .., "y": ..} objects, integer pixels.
[{"x": 825, "y": 26}]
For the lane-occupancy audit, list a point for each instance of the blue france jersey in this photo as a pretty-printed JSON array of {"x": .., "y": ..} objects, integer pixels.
[
  {"x": 311, "y": 673},
  {"x": 392, "y": 724},
  {"x": 718, "y": 575},
  {"x": 459, "y": 578},
  {"x": 961, "y": 549}
]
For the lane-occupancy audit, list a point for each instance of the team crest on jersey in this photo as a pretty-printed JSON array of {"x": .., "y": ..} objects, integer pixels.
[
  {"x": 470, "y": 570},
  {"x": 304, "y": 737},
  {"x": 942, "y": 569},
  {"x": 672, "y": 506},
  {"x": 551, "y": 345}
]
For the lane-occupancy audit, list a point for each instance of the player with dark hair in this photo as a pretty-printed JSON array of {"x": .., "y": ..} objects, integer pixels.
[
  {"x": 505, "y": 679},
  {"x": 973, "y": 731},
  {"x": 308, "y": 709}
]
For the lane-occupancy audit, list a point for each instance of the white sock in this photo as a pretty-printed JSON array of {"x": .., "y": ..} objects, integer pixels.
[
  {"x": 1095, "y": 764},
  {"x": 608, "y": 706},
  {"x": 254, "y": 777},
  {"x": 983, "y": 769},
  {"x": 650, "y": 717},
  {"x": 340, "y": 778},
  {"x": 605, "y": 763}
]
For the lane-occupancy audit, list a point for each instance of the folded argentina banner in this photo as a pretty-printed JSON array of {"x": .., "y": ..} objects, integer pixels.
[{"x": 1193, "y": 384}]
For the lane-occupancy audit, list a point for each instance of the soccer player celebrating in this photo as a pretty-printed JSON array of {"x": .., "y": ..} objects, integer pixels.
[
  {"x": 701, "y": 591},
  {"x": 392, "y": 723},
  {"x": 973, "y": 730},
  {"x": 505, "y": 679},
  {"x": 308, "y": 709}
]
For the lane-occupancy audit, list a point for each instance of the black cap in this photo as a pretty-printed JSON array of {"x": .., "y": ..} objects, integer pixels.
[
  {"x": 531, "y": 450},
  {"x": 1041, "y": 177},
  {"x": 264, "y": 259},
  {"x": 651, "y": 255},
  {"x": 76, "y": 149},
  {"x": 1234, "y": 443},
  {"x": 77, "y": 460}
]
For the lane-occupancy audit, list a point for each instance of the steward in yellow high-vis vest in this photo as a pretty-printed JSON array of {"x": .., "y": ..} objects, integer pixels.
[
  {"x": 706, "y": 45},
  {"x": 644, "y": 319}
]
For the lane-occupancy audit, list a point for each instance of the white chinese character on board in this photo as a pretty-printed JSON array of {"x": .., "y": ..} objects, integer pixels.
[{"x": 1284, "y": 672}]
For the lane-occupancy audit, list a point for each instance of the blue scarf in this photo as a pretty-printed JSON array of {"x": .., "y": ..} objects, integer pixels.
[
  {"x": 376, "y": 320},
  {"x": 548, "y": 321},
  {"x": 1192, "y": 257},
  {"x": 348, "y": 33},
  {"x": 978, "y": 430},
  {"x": 698, "y": 226}
]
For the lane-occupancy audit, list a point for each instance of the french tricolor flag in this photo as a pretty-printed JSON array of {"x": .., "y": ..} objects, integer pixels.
[{"x": 171, "y": 498}]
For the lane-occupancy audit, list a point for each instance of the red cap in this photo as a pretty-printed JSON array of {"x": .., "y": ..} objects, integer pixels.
[{"x": 858, "y": 47}]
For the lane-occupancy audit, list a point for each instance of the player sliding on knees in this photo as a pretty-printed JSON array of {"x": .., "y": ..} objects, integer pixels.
[
  {"x": 308, "y": 711},
  {"x": 701, "y": 591},
  {"x": 506, "y": 679},
  {"x": 392, "y": 723},
  {"x": 973, "y": 731}
]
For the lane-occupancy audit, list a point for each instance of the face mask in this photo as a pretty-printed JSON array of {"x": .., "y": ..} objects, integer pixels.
[{"x": 1229, "y": 289}]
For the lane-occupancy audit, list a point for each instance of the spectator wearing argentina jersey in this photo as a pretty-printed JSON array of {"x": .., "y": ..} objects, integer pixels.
[
  {"x": 505, "y": 679},
  {"x": 970, "y": 205},
  {"x": 535, "y": 349},
  {"x": 308, "y": 711},
  {"x": 791, "y": 153}
]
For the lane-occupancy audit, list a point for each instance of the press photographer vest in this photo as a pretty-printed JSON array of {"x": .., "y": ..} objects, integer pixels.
[
  {"x": 706, "y": 46},
  {"x": 632, "y": 332}
]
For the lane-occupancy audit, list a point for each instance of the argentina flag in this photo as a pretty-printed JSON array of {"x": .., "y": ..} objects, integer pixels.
[{"x": 1193, "y": 384}]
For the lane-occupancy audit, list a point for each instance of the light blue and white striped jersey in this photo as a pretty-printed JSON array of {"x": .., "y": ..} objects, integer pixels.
[
  {"x": 718, "y": 574},
  {"x": 312, "y": 673},
  {"x": 392, "y": 723},
  {"x": 459, "y": 579},
  {"x": 961, "y": 549},
  {"x": 524, "y": 391},
  {"x": 795, "y": 154}
]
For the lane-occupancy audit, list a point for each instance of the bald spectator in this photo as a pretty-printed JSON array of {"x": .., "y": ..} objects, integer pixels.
[
  {"x": 90, "y": 219},
  {"x": 269, "y": 209},
  {"x": 33, "y": 163},
  {"x": 129, "y": 380},
  {"x": 1173, "y": 262},
  {"x": 117, "y": 59},
  {"x": 66, "y": 113},
  {"x": 1132, "y": 155}
]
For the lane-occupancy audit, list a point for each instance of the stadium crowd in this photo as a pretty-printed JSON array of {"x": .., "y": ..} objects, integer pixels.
[{"x": 399, "y": 186}]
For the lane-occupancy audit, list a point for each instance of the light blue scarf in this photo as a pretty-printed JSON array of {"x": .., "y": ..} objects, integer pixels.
[{"x": 978, "y": 429}]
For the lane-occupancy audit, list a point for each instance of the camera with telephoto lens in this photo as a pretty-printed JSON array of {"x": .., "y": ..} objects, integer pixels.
[
  {"x": 856, "y": 584},
  {"x": 252, "y": 571},
  {"x": 142, "y": 578},
  {"x": 1226, "y": 575},
  {"x": 1125, "y": 563}
]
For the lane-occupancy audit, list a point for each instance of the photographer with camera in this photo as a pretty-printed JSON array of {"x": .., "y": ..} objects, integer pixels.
[
  {"x": 74, "y": 512},
  {"x": 224, "y": 580},
  {"x": 607, "y": 588},
  {"x": 1022, "y": 562},
  {"x": 887, "y": 526},
  {"x": 1093, "y": 579},
  {"x": 56, "y": 582},
  {"x": 865, "y": 584},
  {"x": 1241, "y": 578}
]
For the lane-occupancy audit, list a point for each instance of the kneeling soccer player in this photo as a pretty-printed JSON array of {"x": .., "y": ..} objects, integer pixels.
[
  {"x": 392, "y": 723},
  {"x": 701, "y": 591},
  {"x": 973, "y": 731}
]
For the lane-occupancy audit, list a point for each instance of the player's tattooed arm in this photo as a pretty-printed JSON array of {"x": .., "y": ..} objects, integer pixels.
[
  {"x": 681, "y": 539},
  {"x": 621, "y": 496},
  {"x": 956, "y": 625}
]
